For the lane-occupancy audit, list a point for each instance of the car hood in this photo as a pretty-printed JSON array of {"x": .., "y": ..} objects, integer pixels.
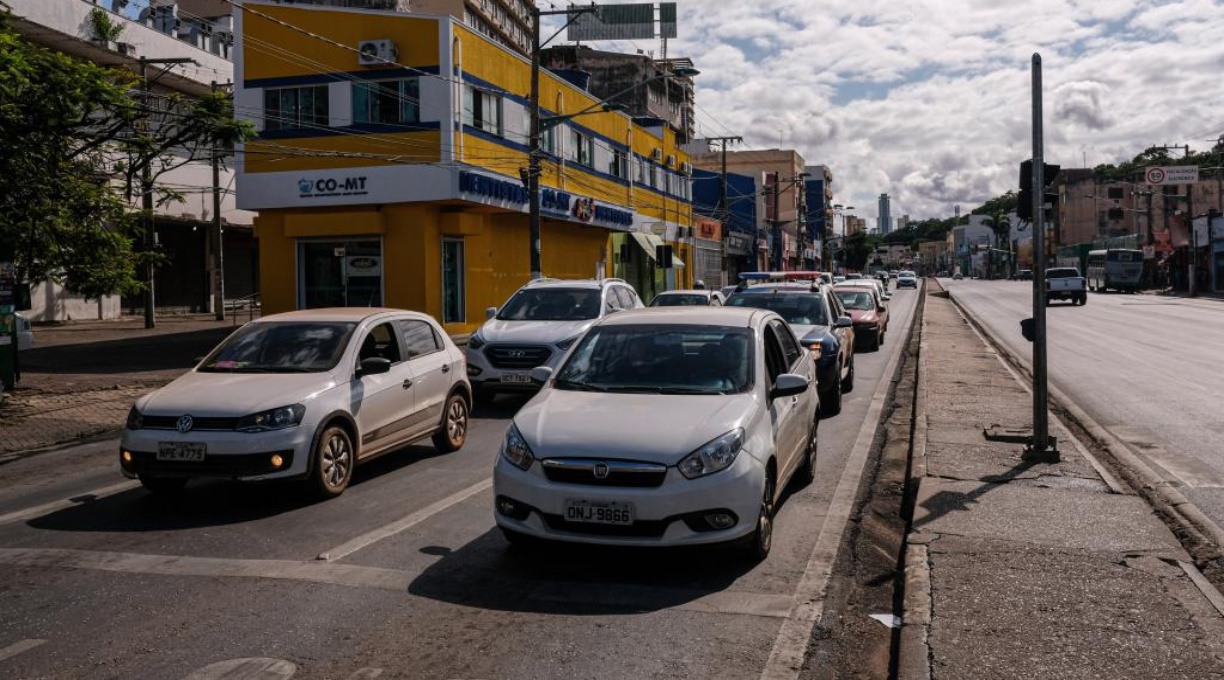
[
  {"x": 496, "y": 331},
  {"x": 862, "y": 315},
  {"x": 642, "y": 427},
  {"x": 234, "y": 394}
]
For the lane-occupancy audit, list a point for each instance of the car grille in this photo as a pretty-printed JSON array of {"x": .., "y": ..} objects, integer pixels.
[
  {"x": 517, "y": 356},
  {"x": 197, "y": 423},
  {"x": 586, "y": 471}
]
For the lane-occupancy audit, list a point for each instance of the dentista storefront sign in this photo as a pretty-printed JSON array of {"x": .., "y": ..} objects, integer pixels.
[{"x": 553, "y": 203}]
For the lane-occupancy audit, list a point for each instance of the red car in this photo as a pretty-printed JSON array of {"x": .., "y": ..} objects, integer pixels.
[{"x": 869, "y": 313}]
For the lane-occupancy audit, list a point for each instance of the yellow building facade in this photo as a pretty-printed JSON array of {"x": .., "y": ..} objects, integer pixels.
[{"x": 387, "y": 171}]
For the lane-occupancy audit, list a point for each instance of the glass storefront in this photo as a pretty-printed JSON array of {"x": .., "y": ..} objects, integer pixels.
[
  {"x": 454, "y": 296},
  {"x": 340, "y": 273}
]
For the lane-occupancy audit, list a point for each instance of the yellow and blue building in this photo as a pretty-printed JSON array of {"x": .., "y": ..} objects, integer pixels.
[{"x": 387, "y": 171}]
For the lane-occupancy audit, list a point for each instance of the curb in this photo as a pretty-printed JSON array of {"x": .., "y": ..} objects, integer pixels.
[{"x": 1162, "y": 495}]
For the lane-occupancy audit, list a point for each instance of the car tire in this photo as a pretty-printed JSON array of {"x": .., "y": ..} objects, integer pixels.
[
  {"x": 452, "y": 433},
  {"x": 876, "y": 340},
  {"x": 831, "y": 401},
  {"x": 807, "y": 471},
  {"x": 334, "y": 459},
  {"x": 163, "y": 486},
  {"x": 757, "y": 545},
  {"x": 847, "y": 385},
  {"x": 1083, "y": 299}
]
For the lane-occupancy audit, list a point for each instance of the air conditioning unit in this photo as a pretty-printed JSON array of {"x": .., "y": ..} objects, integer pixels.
[
  {"x": 377, "y": 53},
  {"x": 657, "y": 154},
  {"x": 671, "y": 160}
]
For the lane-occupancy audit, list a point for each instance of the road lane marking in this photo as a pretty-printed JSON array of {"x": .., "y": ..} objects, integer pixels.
[
  {"x": 19, "y": 647},
  {"x": 56, "y": 506},
  {"x": 388, "y": 530},
  {"x": 366, "y": 674},
  {"x": 246, "y": 669},
  {"x": 786, "y": 657}
]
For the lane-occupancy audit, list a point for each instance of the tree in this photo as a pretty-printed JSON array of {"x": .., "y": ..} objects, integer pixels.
[
  {"x": 77, "y": 148},
  {"x": 1000, "y": 224}
]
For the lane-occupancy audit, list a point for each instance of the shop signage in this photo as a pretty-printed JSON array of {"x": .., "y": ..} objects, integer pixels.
[
  {"x": 364, "y": 265},
  {"x": 584, "y": 209},
  {"x": 322, "y": 187},
  {"x": 552, "y": 201},
  {"x": 490, "y": 187}
]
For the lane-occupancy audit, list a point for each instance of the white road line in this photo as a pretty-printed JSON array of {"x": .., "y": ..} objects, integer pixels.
[
  {"x": 19, "y": 647},
  {"x": 388, "y": 530},
  {"x": 246, "y": 669},
  {"x": 786, "y": 658},
  {"x": 55, "y": 506},
  {"x": 366, "y": 674}
]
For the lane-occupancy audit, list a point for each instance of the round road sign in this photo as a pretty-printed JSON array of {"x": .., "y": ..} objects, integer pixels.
[{"x": 1155, "y": 176}]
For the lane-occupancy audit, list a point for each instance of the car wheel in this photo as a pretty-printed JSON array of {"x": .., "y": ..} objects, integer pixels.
[
  {"x": 807, "y": 472},
  {"x": 875, "y": 341},
  {"x": 831, "y": 400},
  {"x": 453, "y": 432},
  {"x": 333, "y": 463},
  {"x": 760, "y": 542},
  {"x": 163, "y": 486},
  {"x": 847, "y": 385},
  {"x": 1083, "y": 299}
]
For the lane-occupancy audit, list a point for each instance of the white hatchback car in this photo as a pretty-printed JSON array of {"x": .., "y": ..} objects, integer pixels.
[
  {"x": 663, "y": 430},
  {"x": 303, "y": 395}
]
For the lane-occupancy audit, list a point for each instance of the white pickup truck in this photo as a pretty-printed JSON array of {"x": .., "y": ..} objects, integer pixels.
[{"x": 1065, "y": 283}]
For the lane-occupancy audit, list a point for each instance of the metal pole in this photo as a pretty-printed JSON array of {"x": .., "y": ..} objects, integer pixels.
[
  {"x": 533, "y": 163},
  {"x": 216, "y": 235},
  {"x": 1040, "y": 449},
  {"x": 146, "y": 204},
  {"x": 1193, "y": 241}
]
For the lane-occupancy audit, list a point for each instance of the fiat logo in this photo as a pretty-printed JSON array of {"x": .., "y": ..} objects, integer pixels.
[
  {"x": 602, "y": 470},
  {"x": 184, "y": 424}
]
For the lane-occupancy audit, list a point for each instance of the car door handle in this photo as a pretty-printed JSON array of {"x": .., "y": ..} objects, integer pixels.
[
  {"x": 407, "y": 384},
  {"x": 446, "y": 368}
]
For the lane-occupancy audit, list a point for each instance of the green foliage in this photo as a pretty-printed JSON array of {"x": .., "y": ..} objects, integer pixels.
[
  {"x": 998, "y": 205},
  {"x": 104, "y": 27},
  {"x": 77, "y": 150}
]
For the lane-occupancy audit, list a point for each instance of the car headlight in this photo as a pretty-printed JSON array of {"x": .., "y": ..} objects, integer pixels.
[
  {"x": 713, "y": 457},
  {"x": 569, "y": 342},
  {"x": 515, "y": 449},
  {"x": 134, "y": 419},
  {"x": 475, "y": 341},
  {"x": 272, "y": 419}
]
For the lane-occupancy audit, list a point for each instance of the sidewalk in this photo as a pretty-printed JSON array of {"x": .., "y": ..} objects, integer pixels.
[{"x": 1021, "y": 570}]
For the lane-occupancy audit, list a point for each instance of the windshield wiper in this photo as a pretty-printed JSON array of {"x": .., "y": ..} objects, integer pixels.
[{"x": 577, "y": 386}]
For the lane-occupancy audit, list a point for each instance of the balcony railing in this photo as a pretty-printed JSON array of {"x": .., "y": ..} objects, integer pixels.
[{"x": 214, "y": 35}]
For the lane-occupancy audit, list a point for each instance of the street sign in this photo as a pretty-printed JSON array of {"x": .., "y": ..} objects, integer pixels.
[{"x": 1172, "y": 175}]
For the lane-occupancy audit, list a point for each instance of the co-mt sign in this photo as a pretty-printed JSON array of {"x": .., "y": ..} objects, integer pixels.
[{"x": 1172, "y": 175}]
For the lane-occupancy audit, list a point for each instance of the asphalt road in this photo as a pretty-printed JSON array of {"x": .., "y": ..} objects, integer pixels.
[
  {"x": 99, "y": 580},
  {"x": 1146, "y": 367}
]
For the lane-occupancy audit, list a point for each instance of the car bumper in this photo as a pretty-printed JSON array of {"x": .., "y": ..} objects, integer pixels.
[
  {"x": 485, "y": 376},
  {"x": 668, "y": 515},
  {"x": 230, "y": 455}
]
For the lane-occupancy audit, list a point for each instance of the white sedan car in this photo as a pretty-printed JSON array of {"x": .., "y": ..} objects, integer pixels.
[
  {"x": 304, "y": 395},
  {"x": 663, "y": 430}
]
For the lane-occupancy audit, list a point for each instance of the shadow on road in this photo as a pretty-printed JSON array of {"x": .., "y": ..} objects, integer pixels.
[{"x": 127, "y": 355}]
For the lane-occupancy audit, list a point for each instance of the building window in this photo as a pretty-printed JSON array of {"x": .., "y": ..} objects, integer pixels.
[
  {"x": 340, "y": 273},
  {"x": 454, "y": 295},
  {"x": 290, "y": 108},
  {"x": 387, "y": 101},
  {"x": 483, "y": 110},
  {"x": 642, "y": 177},
  {"x": 618, "y": 167},
  {"x": 548, "y": 140},
  {"x": 581, "y": 149}
]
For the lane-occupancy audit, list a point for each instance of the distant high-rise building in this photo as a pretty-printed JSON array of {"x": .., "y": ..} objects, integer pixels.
[
  {"x": 507, "y": 22},
  {"x": 885, "y": 214}
]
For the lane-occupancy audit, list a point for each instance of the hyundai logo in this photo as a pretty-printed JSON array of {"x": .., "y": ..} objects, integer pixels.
[
  {"x": 184, "y": 424},
  {"x": 601, "y": 470},
  {"x": 517, "y": 354}
]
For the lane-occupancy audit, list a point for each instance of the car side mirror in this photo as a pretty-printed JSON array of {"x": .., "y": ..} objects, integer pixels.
[
  {"x": 374, "y": 366},
  {"x": 541, "y": 374},
  {"x": 881, "y": 309},
  {"x": 844, "y": 322},
  {"x": 490, "y": 313},
  {"x": 788, "y": 385}
]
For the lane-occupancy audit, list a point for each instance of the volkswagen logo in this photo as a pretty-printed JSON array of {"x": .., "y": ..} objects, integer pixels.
[
  {"x": 601, "y": 470},
  {"x": 517, "y": 354},
  {"x": 184, "y": 424}
]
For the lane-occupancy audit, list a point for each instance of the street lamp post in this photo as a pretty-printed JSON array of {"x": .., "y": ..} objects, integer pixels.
[{"x": 778, "y": 222}]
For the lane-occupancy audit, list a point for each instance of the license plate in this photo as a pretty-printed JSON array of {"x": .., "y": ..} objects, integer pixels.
[
  {"x": 516, "y": 377},
  {"x": 181, "y": 452},
  {"x": 599, "y": 512}
]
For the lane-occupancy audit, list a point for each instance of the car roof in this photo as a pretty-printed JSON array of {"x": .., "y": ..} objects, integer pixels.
[
  {"x": 593, "y": 284},
  {"x": 778, "y": 288},
  {"x": 688, "y": 316},
  {"x": 342, "y": 314},
  {"x": 686, "y": 291}
]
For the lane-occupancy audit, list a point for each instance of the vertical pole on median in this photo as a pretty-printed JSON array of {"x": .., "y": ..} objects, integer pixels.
[
  {"x": 215, "y": 234},
  {"x": 1041, "y": 449},
  {"x": 533, "y": 160}
]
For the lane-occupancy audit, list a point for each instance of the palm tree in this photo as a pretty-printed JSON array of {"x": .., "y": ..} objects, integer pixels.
[{"x": 1000, "y": 224}]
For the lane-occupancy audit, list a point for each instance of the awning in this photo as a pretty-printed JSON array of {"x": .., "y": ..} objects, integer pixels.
[{"x": 644, "y": 242}]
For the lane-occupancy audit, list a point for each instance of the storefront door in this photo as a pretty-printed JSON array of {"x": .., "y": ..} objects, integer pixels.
[{"x": 340, "y": 273}]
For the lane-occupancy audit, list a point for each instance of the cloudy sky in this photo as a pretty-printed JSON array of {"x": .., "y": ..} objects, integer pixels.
[{"x": 928, "y": 100}]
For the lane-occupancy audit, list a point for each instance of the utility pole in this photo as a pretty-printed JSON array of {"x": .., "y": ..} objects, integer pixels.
[
  {"x": 777, "y": 222},
  {"x": 723, "y": 205},
  {"x": 216, "y": 235},
  {"x": 1041, "y": 448}
]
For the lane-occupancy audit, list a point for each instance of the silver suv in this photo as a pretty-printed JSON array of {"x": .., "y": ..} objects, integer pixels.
[{"x": 536, "y": 327}]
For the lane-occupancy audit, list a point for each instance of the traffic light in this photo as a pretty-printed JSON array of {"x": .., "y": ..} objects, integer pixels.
[{"x": 1024, "y": 207}]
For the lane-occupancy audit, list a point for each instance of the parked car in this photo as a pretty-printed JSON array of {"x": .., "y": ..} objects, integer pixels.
[
  {"x": 1065, "y": 283},
  {"x": 869, "y": 313},
  {"x": 853, "y": 276},
  {"x": 723, "y": 413},
  {"x": 958, "y": 276},
  {"x": 536, "y": 327},
  {"x": 879, "y": 286},
  {"x": 25, "y": 334},
  {"x": 1024, "y": 275},
  {"x": 727, "y": 291},
  {"x": 893, "y": 273},
  {"x": 688, "y": 298},
  {"x": 303, "y": 395},
  {"x": 823, "y": 327},
  {"x": 838, "y": 279},
  {"x": 907, "y": 279}
]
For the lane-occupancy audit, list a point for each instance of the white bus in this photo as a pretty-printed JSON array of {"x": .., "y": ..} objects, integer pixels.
[{"x": 1115, "y": 269}]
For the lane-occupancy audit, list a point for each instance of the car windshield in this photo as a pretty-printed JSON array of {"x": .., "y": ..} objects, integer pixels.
[
  {"x": 856, "y": 300},
  {"x": 798, "y": 309},
  {"x": 681, "y": 301},
  {"x": 552, "y": 304},
  {"x": 907, "y": 274},
  {"x": 660, "y": 359},
  {"x": 280, "y": 347},
  {"x": 1062, "y": 273}
]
